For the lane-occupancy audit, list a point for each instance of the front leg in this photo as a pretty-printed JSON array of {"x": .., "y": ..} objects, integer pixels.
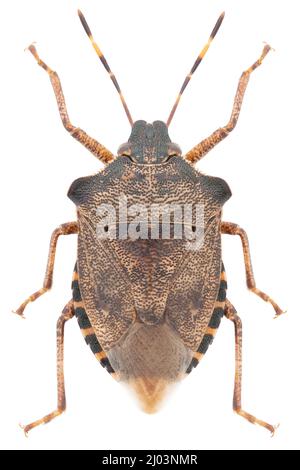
[
  {"x": 64, "y": 229},
  {"x": 206, "y": 145},
  {"x": 233, "y": 229},
  {"x": 91, "y": 144}
]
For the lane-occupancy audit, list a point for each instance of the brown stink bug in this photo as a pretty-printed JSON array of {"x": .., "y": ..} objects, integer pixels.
[{"x": 149, "y": 298}]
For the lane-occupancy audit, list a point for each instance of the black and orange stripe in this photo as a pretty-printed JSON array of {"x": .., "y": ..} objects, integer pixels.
[
  {"x": 196, "y": 64},
  {"x": 85, "y": 325},
  {"x": 105, "y": 64},
  {"x": 213, "y": 324}
]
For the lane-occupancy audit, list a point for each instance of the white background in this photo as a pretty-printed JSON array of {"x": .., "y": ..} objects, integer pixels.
[{"x": 150, "y": 47}]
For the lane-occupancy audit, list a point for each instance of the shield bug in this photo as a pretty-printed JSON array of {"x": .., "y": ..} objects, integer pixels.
[{"x": 147, "y": 294}]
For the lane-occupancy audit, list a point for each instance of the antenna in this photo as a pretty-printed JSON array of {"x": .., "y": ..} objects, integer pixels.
[
  {"x": 104, "y": 62},
  {"x": 197, "y": 62}
]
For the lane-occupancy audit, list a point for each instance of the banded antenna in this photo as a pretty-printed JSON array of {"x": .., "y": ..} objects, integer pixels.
[
  {"x": 197, "y": 62},
  {"x": 104, "y": 62}
]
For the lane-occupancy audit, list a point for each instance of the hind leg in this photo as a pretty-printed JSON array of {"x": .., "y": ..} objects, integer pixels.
[
  {"x": 64, "y": 229},
  {"x": 67, "y": 314},
  {"x": 231, "y": 314}
]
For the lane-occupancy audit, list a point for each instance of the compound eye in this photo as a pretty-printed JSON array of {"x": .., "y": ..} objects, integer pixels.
[
  {"x": 174, "y": 150},
  {"x": 124, "y": 150}
]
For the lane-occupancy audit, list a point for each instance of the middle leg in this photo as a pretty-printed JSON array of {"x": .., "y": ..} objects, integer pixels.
[
  {"x": 64, "y": 229},
  {"x": 233, "y": 229}
]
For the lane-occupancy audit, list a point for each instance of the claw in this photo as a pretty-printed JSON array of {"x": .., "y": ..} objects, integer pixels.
[
  {"x": 28, "y": 47},
  {"x": 24, "y": 429},
  {"x": 274, "y": 429},
  {"x": 271, "y": 48},
  {"x": 20, "y": 313},
  {"x": 278, "y": 314}
]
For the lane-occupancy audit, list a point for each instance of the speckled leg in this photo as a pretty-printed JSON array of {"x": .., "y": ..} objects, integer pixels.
[
  {"x": 67, "y": 314},
  {"x": 233, "y": 229},
  {"x": 64, "y": 229},
  {"x": 91, "y": 144},
  {"x": 231, "y": 314}
]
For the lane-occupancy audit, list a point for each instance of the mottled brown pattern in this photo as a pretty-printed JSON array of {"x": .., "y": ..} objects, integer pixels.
[
  {"x": 67, "y": 314},
  {"x": 194, "y": 289},
  {"x": 115, "y": 275},
  {"x": 233, "y": 229},
  {"x": 211, "y": 330},
  {"x": 91, "y": 144},
  {"x": 200, "y": 150},
  {"x": 149, "y": 301},
  {"x": 64, "y": 229},
  {"x": 231, "y": 314}
]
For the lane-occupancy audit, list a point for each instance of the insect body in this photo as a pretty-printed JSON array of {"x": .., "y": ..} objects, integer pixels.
[{"x": 148, "y": 304}]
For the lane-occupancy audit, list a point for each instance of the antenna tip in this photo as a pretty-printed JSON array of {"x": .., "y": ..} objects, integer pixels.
[
  {"x": 84, "y": 23},
  {"x": 217, "y": 25}
]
